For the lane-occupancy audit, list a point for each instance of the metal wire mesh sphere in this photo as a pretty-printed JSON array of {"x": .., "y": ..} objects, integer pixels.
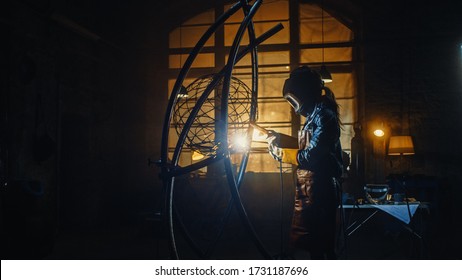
[{"x": 202, "y": 136}]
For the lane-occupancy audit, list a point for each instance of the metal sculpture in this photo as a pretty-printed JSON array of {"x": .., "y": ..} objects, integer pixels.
[
  {"x": 200, "y": 137},
  {"x": 219, "y": 147}
]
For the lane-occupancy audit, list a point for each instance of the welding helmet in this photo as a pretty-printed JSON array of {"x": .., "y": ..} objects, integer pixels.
[{"x": 302, "y": 89}]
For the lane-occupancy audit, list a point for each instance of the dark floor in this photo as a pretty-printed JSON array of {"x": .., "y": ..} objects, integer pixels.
[{"x": 382, "y": 237}]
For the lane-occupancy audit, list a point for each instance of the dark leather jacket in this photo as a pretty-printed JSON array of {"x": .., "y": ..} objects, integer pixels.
[
  {"x": 323, "y": 154},
  {"x": 319, "y": 159}
]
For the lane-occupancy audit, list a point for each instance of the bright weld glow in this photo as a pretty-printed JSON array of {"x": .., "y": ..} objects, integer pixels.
[{"x": 240, "y": 143}]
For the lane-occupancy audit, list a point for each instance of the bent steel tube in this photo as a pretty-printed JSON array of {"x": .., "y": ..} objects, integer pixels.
[
  {"x": 224, "y": 120},
  {"x": 170, "y": 170},
  {"x": 169, "y": 183}
]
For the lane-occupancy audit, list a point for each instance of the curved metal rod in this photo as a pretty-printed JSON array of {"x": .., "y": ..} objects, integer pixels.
[
  {"x": 253, "y": 113},
  {"x": 211, "y": 86},
  {"x": 224, "y": 139},
  {"x": 188, "y": 238},
  {"x": 192, "y": 116},
  {"x": 233, "y": 54},
  {"x": 169, "y": 183},
  {"x": 208, "y": 161},
  {"x": 186, "y": 234},
  {"x": 251, "y": 47},
  {"x": 226, "y": 216},
  {"x": 195, "y": 166},
  {"x": 184, "y": 71},
  {"x": 253, "y": 102}
]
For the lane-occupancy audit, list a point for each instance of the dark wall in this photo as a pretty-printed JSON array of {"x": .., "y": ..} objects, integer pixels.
[
  {"x": 72, "y": 118},
  {"x": 413, "y": 78}
]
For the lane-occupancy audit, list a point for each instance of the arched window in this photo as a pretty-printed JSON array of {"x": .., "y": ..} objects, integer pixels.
[{"x": 310, "y": 37}]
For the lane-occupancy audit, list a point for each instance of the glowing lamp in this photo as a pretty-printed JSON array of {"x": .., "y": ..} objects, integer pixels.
[
  {"x": 325, "y": 74},
  {"x": 379, "y": 132},
  {"x": 400, "y": 145}
]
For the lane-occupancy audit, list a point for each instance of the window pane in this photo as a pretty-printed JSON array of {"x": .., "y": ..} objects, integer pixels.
[
  {"x": 330, "y": 55},
  {"x": 274, "y": 112},
  {"x": 281, "y": 37},
  {"x": 207, "y": 17},
  {"x": 172, "y": 138},
  {"x": 190, "y": 35},
  {"x": 266, "y": 58},
  {"x": 203, "y": 60},
  {"x": 347, "y": 107},
  {"x": 273, "y": 10},
  {"x": 311, "y": 26},
  {"x": 262, "y": 70},
  {"x": 277, "y": 10},
  {"x": 185, "y": 158},
  {"x": 342, "y": 85},
  {"x": 310, "y": 12},
  {"x": 171, "y": 84},
  {"x": 345, "y": 137},
  {"x": 269, "y": 85}
]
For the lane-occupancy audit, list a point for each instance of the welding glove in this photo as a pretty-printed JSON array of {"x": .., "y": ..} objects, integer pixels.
[
  {"x": 275, "y": 152},
  {"x": 283, "y": 155},
  {"x": 273, "y": 140},
  {"x": 289, "y": 156},
  {"x": 280, "y": 154}
]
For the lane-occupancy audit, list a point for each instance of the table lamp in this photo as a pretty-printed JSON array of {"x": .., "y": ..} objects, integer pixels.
[{"x": 401, "y": 146}]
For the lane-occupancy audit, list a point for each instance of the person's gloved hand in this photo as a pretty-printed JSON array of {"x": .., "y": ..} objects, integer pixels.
[
  {"x": 283, "y": 155},
  {"x": 280, "y": 154},
  {"x": 275, "y": 152},
  {"x": 273, "y": 138},
  {"x": 273, "y": 145}
]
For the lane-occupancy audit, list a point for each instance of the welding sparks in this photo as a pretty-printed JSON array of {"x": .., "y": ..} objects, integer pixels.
[{"x": 240, "y": 143}]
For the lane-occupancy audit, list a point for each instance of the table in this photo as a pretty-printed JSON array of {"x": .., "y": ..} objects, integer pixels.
[{"x": 403, "y": 212}]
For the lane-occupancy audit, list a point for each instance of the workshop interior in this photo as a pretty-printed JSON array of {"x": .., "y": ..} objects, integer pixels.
[{"x": 138, "y": 129}]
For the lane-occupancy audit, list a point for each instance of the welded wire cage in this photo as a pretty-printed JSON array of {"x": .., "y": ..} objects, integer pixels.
[{"x": 203, "y": 135}]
